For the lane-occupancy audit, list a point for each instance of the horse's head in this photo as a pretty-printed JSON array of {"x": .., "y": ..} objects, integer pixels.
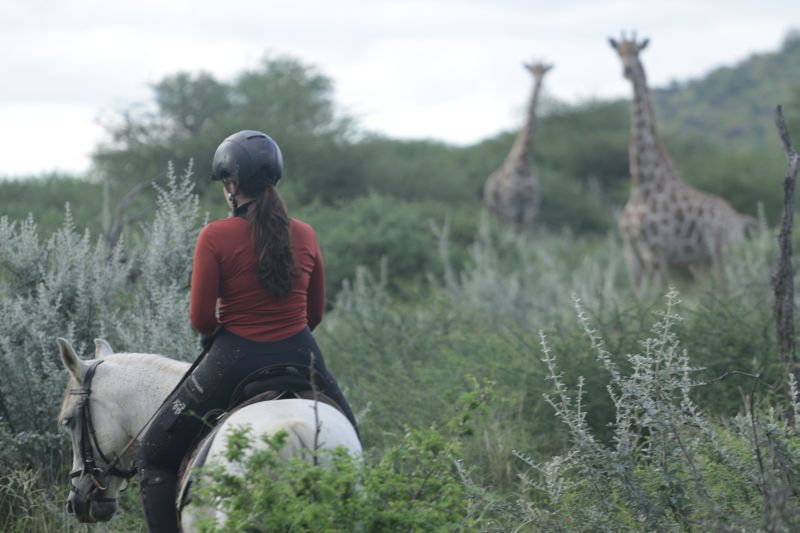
[{"x": 90, "y": 414}]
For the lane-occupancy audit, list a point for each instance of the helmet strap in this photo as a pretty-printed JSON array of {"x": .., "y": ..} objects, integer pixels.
[{"x": 232, "y": 187}]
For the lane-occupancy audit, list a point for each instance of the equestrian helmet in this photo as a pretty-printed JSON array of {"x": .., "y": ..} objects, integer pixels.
[{"x": 250, "y": 157}]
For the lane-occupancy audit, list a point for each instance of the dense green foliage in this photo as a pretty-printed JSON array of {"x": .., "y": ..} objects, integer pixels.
[
  {"x": 427, "y": 298},
  {"x": 45, "y": 198},
  {"x": 405, "y": 361},
  {"x": 416, "y": 485},
  {"x": 373, "y": 229}
]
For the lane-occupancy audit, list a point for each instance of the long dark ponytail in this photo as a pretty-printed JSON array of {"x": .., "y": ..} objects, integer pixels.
[{"x": 270, "y": 230}]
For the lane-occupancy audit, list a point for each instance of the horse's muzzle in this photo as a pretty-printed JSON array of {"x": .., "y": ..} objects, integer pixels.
[
  {"x": 86, "y": 503},
  {"x": 80, "y": 507},
  {"x": 102, "y": 509},
  {"x": 93, "y": 510}
]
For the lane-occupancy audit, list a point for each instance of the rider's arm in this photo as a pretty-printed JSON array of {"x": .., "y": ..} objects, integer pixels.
[
  {"x": 316, "y": 290},
  {"x": 205, "y": 285}
]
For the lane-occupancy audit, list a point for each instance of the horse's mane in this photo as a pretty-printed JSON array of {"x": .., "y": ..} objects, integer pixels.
[{"x": 159, "y": 362}]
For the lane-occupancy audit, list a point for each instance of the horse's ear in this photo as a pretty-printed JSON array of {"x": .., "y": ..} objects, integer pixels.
[
  {"x": 69, "y": 358},
  {"x": 102, "y": 349}
]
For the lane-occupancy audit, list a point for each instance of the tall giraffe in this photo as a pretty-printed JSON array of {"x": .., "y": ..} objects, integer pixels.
[
  {"x": 665, "y": 222},
  {"x": 512, "y": 192}
]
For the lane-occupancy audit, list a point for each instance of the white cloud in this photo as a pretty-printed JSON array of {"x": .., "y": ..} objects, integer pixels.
[{"x": 46, "y": 138}]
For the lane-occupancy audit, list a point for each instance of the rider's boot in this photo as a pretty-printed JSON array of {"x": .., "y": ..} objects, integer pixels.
[{"x": 157, "y": 491}]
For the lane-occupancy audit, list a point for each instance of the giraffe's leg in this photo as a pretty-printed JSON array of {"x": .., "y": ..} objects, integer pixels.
[
  {"x": 696, "y": 271},
  {"x": 634, "y": 261},
  {"x": 721, "y": 248},
  {"x": 654, "y": 268},
  {"x": 658, "y": 260},
  {"x": 527, "y": 217},
  {"x": 660, "y": 272},
  {"x": 714, "y": 247}
]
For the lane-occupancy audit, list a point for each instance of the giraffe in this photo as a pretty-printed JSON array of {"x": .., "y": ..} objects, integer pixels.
[
  {"x": 666, "y": 221},
  {"x": 511, "y": 193}
]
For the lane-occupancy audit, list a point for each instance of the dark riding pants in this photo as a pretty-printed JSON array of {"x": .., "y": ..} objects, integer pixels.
[{"x": 209, "y": 387}]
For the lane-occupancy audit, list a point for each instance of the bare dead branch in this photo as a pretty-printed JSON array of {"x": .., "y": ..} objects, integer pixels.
[
  {"x": 729, "y": 373},
  {"x": 783, "y": 278},
  {"x": 113, "y": 233},
  {"x": 786, "y": 141}
]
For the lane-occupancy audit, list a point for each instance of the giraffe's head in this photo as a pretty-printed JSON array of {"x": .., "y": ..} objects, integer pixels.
[
  {"x": 628, "y": 50},
  {"x": 538, "y": 69}
]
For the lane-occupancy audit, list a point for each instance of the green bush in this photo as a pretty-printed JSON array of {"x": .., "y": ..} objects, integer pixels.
[
  {"x": 455, "y": 299},
  {"x": 587, "y": 142},
  {"x": 416, "y": 485},
  {"x": 44, "y": 197},
  {"x": 370, "y": 229},
  {"x": 574, "y": 206},
  {"x": 668, "y": 466}
]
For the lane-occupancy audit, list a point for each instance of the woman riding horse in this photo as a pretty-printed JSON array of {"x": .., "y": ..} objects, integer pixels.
[{"x": 258, "y": 289}]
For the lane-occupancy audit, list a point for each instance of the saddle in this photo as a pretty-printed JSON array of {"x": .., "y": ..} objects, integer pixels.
[
  {"x": 271, "y": 383},
  {"x": 280, "y": 381}
]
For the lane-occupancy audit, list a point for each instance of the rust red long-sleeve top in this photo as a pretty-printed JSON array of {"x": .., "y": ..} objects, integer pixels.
[{"x": 225, "y": 270}]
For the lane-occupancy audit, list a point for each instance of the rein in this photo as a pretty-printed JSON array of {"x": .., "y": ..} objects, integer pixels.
[{"x": 88, "y": 439}]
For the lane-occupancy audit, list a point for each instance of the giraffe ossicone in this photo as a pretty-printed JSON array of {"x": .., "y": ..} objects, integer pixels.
[{"x": 666, "y": 222}]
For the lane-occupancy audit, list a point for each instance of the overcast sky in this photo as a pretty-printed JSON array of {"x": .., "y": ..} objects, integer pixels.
[{"x": 447, "y": 70}]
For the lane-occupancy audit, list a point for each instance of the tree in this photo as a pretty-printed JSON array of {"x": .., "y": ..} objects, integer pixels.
[{"x": 192, "y": 113}]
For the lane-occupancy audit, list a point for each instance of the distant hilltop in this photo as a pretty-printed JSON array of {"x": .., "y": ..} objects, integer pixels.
[{"x": 734, "y": 105}]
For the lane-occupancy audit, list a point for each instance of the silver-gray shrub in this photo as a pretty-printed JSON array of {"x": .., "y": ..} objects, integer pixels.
[
  {"x": 668, "y": 466},
  {"x": 65, "y": 286},
  {"x": 524, "y": 280},
  {"x": 156, "y": 320},
  {"x": 70, "y": 285}
]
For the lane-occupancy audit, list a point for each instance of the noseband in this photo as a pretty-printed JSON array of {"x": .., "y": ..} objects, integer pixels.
[{"x": 87, "y": 444}]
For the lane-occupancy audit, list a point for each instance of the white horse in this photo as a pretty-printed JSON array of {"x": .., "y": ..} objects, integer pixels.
[{"x": 105, "y": 409}]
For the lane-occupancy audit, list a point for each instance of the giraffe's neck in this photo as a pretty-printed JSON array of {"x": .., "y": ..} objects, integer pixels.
[
  {"x": 519, "y": 156},
  {"x": 649, "y": 161}
]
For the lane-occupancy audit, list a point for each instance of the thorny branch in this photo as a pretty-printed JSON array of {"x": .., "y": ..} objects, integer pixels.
[{"x": 315, "y": 392}]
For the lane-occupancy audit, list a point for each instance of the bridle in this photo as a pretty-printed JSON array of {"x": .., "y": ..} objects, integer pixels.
[
  {"x": 94, "y": 475},
  {"x": 87, "y": 444}
]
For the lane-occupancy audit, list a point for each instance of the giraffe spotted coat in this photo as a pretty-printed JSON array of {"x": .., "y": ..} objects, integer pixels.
[
  {"x": 666, "y": 221},
  {"x": 511, "y": 193}
]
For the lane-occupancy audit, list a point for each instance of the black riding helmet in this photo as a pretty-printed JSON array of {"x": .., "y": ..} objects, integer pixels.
[{"x": 250, "y": 157}]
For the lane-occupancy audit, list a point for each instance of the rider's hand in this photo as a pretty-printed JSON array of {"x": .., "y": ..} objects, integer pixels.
[{"x": 206, "y": 341}]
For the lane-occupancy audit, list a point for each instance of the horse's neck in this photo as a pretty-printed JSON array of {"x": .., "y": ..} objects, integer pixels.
[{"x": 139, "y": 385}]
